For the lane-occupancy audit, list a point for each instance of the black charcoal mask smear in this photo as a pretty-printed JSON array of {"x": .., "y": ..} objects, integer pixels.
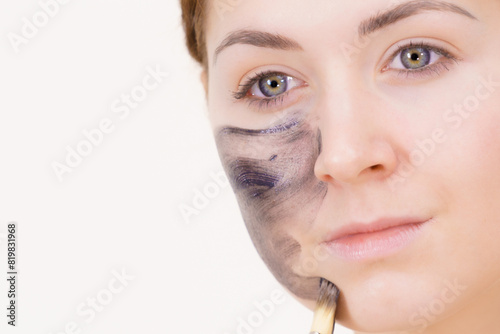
[{"x": 272, "y": 174}]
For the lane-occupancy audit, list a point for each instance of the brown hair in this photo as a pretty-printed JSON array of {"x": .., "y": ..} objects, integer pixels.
[{"x": 193, "y": 20}]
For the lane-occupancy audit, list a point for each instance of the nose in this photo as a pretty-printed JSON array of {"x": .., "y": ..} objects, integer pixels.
[{"x": 357, "y": 143}]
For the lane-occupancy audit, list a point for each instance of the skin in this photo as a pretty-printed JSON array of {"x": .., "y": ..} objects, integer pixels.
[
  {"x": 269, "y": 182},
  {"x": 336, "y": 149}
]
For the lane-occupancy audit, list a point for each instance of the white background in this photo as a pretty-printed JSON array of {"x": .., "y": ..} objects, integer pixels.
[{"x": 119, "y": 210}]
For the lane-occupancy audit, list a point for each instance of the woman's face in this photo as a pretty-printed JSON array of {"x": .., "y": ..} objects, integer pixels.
[{"x": 362, "y": 142}]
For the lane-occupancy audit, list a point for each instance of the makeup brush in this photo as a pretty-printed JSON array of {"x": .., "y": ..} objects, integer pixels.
[{"x": 324, "y": 314}]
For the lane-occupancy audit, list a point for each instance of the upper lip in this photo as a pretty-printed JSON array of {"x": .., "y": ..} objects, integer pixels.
[{"x": 370, "y": 227}]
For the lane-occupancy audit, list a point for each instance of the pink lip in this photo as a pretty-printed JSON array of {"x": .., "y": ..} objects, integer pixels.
[{"x": 377, "y": 239}]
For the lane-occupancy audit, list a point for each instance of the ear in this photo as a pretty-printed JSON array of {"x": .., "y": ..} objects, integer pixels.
[{"x": 204, "y": 81}]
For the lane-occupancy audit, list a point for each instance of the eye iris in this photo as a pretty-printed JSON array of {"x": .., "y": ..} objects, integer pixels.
[
  {"x": 273, "y": 85},
  {"x": 415, "y": 58}
]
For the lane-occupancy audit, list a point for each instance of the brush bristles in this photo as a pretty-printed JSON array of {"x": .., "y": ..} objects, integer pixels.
[
  {"x": 324, "y": 315},
  {"x": 328, "y": 295}
]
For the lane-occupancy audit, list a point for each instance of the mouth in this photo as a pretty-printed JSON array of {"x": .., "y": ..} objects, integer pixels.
[{"x": 381, "y": 238}]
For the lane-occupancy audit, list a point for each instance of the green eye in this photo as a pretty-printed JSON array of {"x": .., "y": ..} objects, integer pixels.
[
  {"x": 273, "y": 85},
  {"x": 415, "y": 58},
  {"x": 267, "y": 86}
]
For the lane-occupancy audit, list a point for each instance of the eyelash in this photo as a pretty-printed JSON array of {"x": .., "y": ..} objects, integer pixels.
[
  {"x": 435, "y": 68},
  {"x": 267, "y": 102}
]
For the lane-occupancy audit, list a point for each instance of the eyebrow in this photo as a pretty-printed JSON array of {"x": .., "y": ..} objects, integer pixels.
[
  {"x": 259, "y": 39},
  {"x": 405, "y": 10},
  {"x": 383, "y": 19}
]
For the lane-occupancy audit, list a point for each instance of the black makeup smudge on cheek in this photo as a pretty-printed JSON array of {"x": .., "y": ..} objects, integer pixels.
[
  {"x": 272, "y": 174},
  {"x": 251, "y": 177}
]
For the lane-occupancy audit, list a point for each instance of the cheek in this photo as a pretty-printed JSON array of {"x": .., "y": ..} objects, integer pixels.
[
  {"x": 471, "y": 157},
  {"x": 272, "y": 174},
  {"x": 470, "y": 152}
]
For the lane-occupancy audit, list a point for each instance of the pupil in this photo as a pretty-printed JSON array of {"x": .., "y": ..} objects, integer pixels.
[
  {"x": 414, "y": 56},
  {"x": 274, "y": 84}
]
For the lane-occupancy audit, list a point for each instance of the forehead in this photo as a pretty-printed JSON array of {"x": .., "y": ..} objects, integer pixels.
[
  {"x": 281, "y": 16},
  {"x": 310, "y": 21}
]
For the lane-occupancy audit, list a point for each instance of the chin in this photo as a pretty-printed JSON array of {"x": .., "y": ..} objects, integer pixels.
[
  {"x": 399, "y": 302},
  {"x": 396, "y": 302}
]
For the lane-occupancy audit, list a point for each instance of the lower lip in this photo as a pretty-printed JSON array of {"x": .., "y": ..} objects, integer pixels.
[{"x": 363, "y": 246}]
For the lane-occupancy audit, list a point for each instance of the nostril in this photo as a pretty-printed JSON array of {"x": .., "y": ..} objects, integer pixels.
[{"x": 377, "y": 167}]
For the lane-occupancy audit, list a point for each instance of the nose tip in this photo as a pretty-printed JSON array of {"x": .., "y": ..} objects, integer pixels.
[
  {"x": 360, "y": 134},
  {"x": 354, "y": 160}
]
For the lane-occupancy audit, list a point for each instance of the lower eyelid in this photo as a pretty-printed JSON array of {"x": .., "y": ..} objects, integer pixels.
[
  {"x": 278, "y": 102},
  {"x": 425, "y": 72},
  {"x": 441, "y": 58}
]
